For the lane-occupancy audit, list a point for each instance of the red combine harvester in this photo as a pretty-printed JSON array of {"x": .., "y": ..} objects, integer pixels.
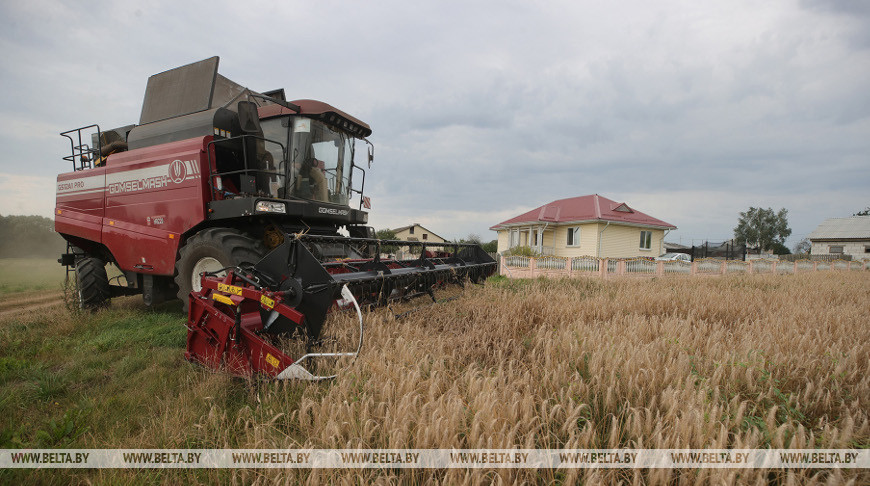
[{"x": 237, "y": 202}]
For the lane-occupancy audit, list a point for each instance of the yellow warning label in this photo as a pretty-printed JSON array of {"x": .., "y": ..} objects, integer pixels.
[
  {"x": 267, "y": 302},
  {"x": 222, "y": 298},
  {"x": 230, "y": 289},
  {"x": 272, "y": 360}
]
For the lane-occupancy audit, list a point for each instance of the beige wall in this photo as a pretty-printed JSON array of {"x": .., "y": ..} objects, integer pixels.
[
  {"x": 624, "y": 242},
  {"x": 419, "y": 231},
  {"x": 588, "y": 241},
  {"x": 617, "y": 241},
  {"x": 503, "y": 240},
  {"x": 857, "y": 249}
]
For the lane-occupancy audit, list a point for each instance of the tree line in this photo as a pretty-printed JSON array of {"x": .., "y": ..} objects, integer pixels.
[{"x": 29, "y": 237}]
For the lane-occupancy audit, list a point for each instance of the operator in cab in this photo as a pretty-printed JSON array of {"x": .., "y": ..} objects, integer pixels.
[{"x": 309, "y": 182}]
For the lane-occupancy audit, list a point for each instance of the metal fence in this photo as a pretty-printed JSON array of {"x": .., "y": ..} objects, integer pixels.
[
  {"x": 530, "y": 267},
  {"x": 552, "y": 263},
  {"x": 736, "y": 266},
  {"x": 709, "y": 266},
  {"x": 816, "y": 258},
  {"x": 585, "y": 264},
  {"x": 677, "y": 267},
  {"x": 727, "y": 250},
  {"x": 640, "y": 265},
  {"x": 515, "y": 261}
]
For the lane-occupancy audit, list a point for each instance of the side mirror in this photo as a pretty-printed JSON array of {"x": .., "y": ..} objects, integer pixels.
[
  {"x": 249, "y": 119},
  {"x": 371, "y": 152}
]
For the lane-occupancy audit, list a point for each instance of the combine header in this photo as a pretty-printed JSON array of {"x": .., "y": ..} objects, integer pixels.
[
  {"x": 239, "y": 204},
  {"x": 237, "y": 320}
]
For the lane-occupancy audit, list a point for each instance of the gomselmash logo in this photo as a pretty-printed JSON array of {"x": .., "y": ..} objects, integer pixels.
[
  {"x": 150, "y": 178},
  {"x": 177, "y": 171},
  {"x": 333, "y": 211}
]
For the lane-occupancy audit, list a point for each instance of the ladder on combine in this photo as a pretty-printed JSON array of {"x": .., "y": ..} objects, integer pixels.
[{"x": 82, "y": 155}]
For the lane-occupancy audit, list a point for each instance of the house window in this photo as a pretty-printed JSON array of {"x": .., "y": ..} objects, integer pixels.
[
  {"x": 534, "y": 238},
  {"x": 645, "y": 240},
  {"x": 835, "y": 249},
  {"x": 867, "y": 249},
  {"x": 425, "y": 236},
  {"x": 515, "y": 238},
  {"x": 411, "y": 230},
  {"x": 574, "y": 236}
]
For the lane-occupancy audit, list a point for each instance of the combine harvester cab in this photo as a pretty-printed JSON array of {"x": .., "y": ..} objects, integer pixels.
[{"x": 220, "y": 187}]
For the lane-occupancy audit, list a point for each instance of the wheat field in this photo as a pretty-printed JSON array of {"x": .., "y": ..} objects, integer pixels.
[{"x": 748, "y": 361}]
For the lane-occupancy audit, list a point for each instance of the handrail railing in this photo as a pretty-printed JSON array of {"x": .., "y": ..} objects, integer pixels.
[
  {"x": 82, "y": 155},
  {"x": 212, "y": 164}
]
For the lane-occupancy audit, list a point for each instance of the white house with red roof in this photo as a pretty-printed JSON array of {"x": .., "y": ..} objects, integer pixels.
[{"x": 585, "y": 226}]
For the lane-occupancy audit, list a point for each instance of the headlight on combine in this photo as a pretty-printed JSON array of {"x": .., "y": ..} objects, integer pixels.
[{"x": 271, "y": 207}]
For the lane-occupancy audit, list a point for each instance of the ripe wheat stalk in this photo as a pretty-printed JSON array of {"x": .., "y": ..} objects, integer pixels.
[{"x": 750, "y": 361}]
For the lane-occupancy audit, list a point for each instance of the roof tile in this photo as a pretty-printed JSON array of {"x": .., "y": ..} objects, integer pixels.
[{"x": 585, "y": 208}]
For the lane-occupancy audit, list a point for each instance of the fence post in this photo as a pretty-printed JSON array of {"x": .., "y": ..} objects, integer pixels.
[
  {"x": 660, "y": 268},
  {"x": 773, "y": 266},
  {"x": 795, "y": 267},
  {"x": 724, "y": 268},
  {"x": 602, "y": 267},
  {"x": 570, "y": 263},
  {"x": 533, "y": 266},
  {"x": 749, "y": 270},
  {"x": 694, "y": 269},
  {"x": 620, "y": 267},
  {"x": 815, "y": 266},
  {"x": 501, "y": 270}
]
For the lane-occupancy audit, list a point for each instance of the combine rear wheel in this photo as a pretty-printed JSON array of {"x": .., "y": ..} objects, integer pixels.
[
  {"x": 93, "y": 283},
  {"x": 210, "y": 250}
]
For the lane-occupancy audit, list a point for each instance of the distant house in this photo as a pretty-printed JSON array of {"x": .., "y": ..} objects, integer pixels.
[
  {"x": 587, "y": 225},
  {"x": 415, "y": 232},
  {"x": 842, "y": 236},
  {"x": 674, "y": 247}
]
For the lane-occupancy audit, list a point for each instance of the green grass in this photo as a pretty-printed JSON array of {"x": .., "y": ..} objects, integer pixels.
[
  {"x": 51, "y": 369},
  {"x": 27, "y": 274},
  {"x": 101, "y": 380}
]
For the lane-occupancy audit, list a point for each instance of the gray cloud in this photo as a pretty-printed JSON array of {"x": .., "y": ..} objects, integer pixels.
[{"x": 481, "y": 109}]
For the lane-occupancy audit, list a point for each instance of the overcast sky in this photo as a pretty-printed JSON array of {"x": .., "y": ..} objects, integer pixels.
[{"x": 689, "y": 111}]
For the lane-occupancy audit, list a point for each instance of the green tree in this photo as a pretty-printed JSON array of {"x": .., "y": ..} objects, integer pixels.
[
  {"x": 387, "y": 234},
  {"x": 761, "y": 228},
  {"x": 803, "y": 247},
  {"x": 780, "y": 249},
  {"x": 29, "y": 237},
  {"x": 490, "y": 247},
  {"x": 472, "y": 238}
]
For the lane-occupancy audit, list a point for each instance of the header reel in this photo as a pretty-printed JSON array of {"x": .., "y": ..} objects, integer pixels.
[{"x": 238, "y": 321}]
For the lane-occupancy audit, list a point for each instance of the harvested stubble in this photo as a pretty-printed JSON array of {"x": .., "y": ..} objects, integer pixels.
[{"x": 733, "y": 362}]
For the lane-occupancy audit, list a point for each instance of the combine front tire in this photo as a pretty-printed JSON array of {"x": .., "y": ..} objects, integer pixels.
[
  {"x": 210, "y": 250},
  {"x": 93, "y": 283}
]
